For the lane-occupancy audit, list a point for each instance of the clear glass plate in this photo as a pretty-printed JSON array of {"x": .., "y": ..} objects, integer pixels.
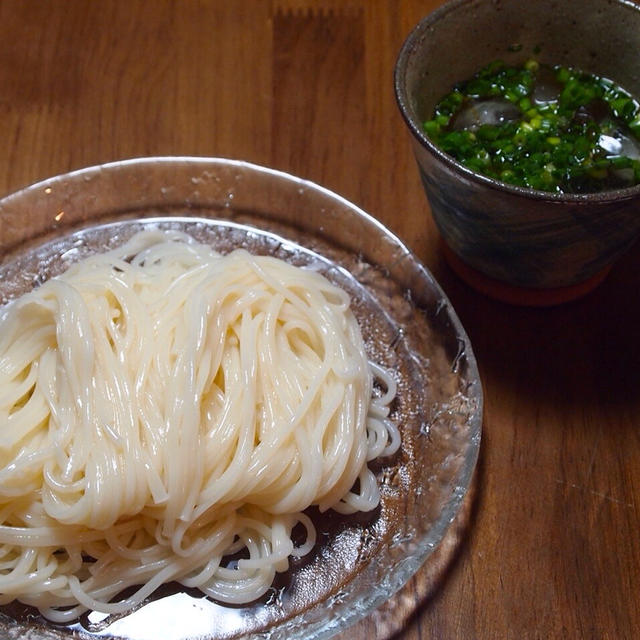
[{"x": 408, "y": 324}]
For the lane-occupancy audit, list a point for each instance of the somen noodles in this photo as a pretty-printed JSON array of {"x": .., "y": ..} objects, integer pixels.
[{"x": 164, "y": 407}]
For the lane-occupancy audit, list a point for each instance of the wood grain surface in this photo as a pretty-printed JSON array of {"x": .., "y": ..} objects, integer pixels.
[{"x": 548, "y": 544}]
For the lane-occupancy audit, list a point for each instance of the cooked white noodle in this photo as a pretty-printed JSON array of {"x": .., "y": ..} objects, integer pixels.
[{"x": 163, "y": 407}]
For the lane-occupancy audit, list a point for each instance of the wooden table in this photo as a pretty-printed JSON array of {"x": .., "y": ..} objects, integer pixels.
[{"x": 550, "y": 542}]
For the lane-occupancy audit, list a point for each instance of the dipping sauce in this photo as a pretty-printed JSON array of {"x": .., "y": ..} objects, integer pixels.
[{"x": 549, "y": 128}]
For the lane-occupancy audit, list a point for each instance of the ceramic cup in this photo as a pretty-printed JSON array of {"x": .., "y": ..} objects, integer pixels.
[{"x": 556, "y": 244}]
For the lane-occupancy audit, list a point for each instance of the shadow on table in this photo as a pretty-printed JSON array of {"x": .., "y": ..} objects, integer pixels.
[{"x": 584, "y": 352}]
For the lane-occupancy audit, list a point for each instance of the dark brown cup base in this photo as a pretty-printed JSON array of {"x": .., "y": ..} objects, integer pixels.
[{"x": 519, "y": 296}]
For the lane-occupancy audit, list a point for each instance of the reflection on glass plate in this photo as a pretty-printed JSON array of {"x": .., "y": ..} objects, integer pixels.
[{"x": 408, "y": 324}]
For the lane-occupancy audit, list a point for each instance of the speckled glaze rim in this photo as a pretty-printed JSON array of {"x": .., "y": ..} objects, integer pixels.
[
  {"x": 344, "y": 614},
  {"x": 415, "y": 126}
]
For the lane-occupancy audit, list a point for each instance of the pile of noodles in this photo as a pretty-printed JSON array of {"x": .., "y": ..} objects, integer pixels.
[{"x": 163, "y": 407}]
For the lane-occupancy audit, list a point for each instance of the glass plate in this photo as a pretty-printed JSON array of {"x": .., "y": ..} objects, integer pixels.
[{"x": 408, "y": 324}]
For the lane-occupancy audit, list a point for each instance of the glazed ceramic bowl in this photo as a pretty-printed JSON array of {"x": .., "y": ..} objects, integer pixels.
[{"x": 557, "y": 245}]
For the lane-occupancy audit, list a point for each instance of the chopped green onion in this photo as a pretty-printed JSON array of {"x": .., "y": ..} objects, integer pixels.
[{"x": 554, "y": 144}]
